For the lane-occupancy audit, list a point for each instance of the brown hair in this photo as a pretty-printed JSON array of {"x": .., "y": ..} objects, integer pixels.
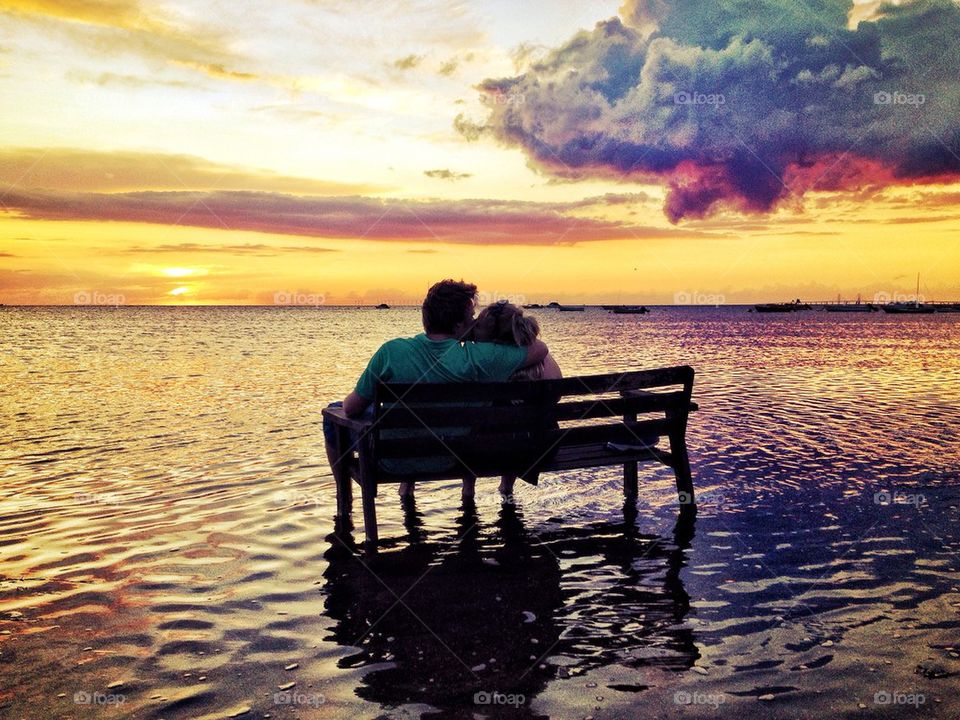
[{"x": 447, "y": 304}]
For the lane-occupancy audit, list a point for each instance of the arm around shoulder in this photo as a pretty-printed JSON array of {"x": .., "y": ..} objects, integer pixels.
[{"x": 536, "y": 352}]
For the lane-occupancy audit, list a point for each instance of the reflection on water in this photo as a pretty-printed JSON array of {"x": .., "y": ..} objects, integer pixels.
[
  {"x": 166, "y": 528},
  {"x": 440, "y": 621}
]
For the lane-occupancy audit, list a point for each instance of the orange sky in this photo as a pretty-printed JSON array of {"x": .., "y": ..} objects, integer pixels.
[{"x": 162, "y": 153}]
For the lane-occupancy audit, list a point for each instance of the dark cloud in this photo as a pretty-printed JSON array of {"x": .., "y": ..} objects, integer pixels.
[
  {"x": 742, "y": 105},
  {"x": 450, "y": 221}
]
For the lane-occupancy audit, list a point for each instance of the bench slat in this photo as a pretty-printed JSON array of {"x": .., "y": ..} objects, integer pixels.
[
  {"x": 571, "y": 457},
  {"x": 473, "y": 447},
  {"x": 535, "y": 390},
  {"x": 447, "y": 414}
]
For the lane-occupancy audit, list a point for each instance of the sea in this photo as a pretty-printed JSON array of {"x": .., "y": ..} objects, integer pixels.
[{"x": 168, "y": 546}]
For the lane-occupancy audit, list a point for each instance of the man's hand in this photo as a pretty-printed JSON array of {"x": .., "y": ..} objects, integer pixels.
[
  {"x": 354, "y": 404},
  {"x": 535, "y": 354}
]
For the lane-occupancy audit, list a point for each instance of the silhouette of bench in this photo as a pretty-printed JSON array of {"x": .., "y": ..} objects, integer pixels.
[{"x": 442, "y": 431}]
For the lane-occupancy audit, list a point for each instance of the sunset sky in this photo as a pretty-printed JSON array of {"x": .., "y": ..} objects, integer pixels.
[{"x": 651, "y": 151}]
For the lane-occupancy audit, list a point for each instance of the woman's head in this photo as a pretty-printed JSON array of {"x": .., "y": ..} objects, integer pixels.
[{"x": 505, "y": 323}]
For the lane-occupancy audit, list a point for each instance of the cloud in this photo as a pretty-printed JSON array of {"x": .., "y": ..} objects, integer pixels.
[
  {"x": 259, "y": 249},
  {"x": 496, "y": 222},
  {"x": 129, "y": 26},
  {"x": 127, "y": 81},
  {"x": 217, "y": 70},
  {"x": 91, "y": 170},
  {"x": 408, "y": 62},
  {"x": 742, "y": 106},
  {"x": 444, "y": 174}
]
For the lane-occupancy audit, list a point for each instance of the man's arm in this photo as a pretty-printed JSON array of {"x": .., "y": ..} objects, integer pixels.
[
  {"x": 354, "y": 404},
  {"x": 362, "y": 395},
  {"x": 535, "y": 353}
]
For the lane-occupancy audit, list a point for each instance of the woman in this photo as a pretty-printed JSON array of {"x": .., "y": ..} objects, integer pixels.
[{"x": 505, "y": 323}]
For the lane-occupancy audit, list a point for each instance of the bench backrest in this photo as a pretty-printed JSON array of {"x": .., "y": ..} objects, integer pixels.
[{"x": 513, "y": 426}]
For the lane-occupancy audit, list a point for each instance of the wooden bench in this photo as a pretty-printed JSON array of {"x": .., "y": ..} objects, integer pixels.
[{"x": 441, "y": 431}]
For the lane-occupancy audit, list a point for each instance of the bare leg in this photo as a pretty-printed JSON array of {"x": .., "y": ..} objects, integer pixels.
[
  {"x": 469, "y": 483},
  {"x": 406, "y": 490},
  {"x": 506, "y": 485}
]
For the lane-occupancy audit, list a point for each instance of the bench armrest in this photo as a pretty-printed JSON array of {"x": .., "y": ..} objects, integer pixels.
[
  {"x": 339, "y": 417},
  {"x": 643, "y": 393}
]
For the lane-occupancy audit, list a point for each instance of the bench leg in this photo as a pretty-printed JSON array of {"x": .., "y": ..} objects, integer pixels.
[
  {"x": 369, "y": 499},
  {"x": 681, "y": 468},
  {"x": 341, "y": 474},
  {"x": 630, "y": 468},
  {"x": 630, "y": 480}
]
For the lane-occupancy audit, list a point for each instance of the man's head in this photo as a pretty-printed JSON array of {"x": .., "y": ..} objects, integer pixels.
[{"x": 448, "y": 308}]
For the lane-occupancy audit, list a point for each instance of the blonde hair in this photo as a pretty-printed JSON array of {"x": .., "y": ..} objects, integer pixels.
[{"x": 505, "y": 323}]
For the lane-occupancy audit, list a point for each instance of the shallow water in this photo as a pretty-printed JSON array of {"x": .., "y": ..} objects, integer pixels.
[{"x": 166, "y": 518}]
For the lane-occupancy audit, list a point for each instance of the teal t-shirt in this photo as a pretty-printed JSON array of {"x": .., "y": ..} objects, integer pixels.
[{"x": 420, "y": 359}]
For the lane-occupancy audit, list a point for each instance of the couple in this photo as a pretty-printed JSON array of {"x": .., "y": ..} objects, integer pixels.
[{"x": 498, "y": 345}]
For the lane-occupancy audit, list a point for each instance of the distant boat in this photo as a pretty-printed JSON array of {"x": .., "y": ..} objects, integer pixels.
[
  {"x": 629, "y": 309},
  {"x": 570, "y": 308},
  {"x": 383, "y": 306},
  {"x": 909, "y": 309},
  {"x": 553, "y": 304},
  {"x": 851, "y": 307},
  {"x": 782, "y": 307},
  {"x": 533, "y": 306}
]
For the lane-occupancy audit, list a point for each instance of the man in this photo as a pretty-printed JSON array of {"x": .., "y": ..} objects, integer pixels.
[{"x": 438, "y": 355}]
